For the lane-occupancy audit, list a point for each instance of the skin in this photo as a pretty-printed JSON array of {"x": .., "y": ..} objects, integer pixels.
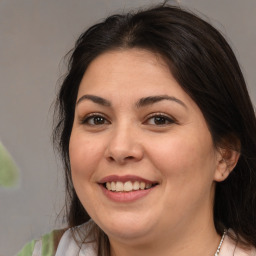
[{"x": 176, "y": 217}]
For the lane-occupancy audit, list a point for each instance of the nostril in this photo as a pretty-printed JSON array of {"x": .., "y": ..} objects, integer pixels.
[
  {"x": 120, "y": 159},
  {"x": 110, "y": 158},
  {"x": 123, "y": 154},
  {"x": 129, "y": 157}
]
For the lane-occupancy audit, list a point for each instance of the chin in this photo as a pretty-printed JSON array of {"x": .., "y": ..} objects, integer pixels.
[{"x": 127, "y": 229}]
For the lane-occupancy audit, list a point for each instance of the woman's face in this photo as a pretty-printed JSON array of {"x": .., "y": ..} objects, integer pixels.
[{"x": 142, "y": 158}]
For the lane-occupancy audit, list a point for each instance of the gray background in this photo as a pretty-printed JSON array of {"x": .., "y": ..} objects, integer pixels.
[{"x": 34, "y": 36}]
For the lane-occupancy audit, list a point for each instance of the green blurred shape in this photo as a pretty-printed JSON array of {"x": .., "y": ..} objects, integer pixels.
[{"x": 8, "y": 169}]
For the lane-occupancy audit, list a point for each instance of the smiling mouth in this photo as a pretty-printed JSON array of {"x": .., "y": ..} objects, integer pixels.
[{"x": 128, "y": 186}]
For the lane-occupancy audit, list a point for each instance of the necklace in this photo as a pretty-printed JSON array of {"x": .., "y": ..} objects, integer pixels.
[{"x": 221, "y": 241}]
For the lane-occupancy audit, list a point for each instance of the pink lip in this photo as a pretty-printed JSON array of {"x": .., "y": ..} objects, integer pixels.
[
  {"x": 125, "y": 197},
  {"x": 125, "y": 178}
]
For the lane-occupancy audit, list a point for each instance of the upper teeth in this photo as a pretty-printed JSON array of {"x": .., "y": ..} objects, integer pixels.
[{"x": 127, "y": 186}]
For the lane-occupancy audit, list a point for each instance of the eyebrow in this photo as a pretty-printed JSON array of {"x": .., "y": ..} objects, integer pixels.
[
  {"x": 95, "y": 99},
  {"x": 140, "y": 103},
  {"x": 154, "y": 99}
]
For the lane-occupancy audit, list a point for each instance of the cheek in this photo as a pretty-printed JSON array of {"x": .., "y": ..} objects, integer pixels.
[
  {"x": 83, "y": 156},
  {"x": 184, "y": 158},
  {"x": 84, "y": 159},
  {"x": 187, "y": 166}
]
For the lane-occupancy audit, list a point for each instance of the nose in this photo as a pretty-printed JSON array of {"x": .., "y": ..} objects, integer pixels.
[{"x": 124, "y": 146}]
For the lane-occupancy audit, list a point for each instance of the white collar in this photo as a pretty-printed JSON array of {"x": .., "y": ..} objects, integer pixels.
[{"x": 69, "y": 247}]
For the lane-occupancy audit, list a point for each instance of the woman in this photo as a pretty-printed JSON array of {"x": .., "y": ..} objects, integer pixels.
[{"x": 157, "y": 135}]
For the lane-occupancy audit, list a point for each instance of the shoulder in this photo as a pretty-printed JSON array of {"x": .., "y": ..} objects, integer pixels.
[
  {"x": 48, "y": 243},
  {"x": 231, "y": 248}
]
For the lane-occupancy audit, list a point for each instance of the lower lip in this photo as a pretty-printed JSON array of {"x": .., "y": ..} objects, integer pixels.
[{"x": 126, "y": 196}]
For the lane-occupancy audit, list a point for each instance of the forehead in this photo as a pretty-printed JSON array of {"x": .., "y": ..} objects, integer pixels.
[
  {"x": 124, "y": 70},
  {"x": 126, "y": 62}
]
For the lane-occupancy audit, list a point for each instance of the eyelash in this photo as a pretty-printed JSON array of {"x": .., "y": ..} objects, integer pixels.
[
  {"x": 167, "y": 119},
  {"x": 161, "y": 118},
  {"x": 92, "y": 117}
]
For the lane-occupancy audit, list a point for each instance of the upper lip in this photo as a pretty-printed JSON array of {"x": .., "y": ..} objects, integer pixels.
[{"x": 125, "y": 178}]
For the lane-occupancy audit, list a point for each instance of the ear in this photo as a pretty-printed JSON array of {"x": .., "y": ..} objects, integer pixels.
[{"x": 226, "y": 162}]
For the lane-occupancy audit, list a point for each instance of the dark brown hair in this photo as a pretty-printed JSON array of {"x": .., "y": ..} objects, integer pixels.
[{"x": 204, "y": 65}]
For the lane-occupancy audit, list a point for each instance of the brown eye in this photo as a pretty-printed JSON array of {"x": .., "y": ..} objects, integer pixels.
[
  {"x": 98, "y": 120},
  {"x": 160, "y": 120},
  {"x": 95, "y": 120}
]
